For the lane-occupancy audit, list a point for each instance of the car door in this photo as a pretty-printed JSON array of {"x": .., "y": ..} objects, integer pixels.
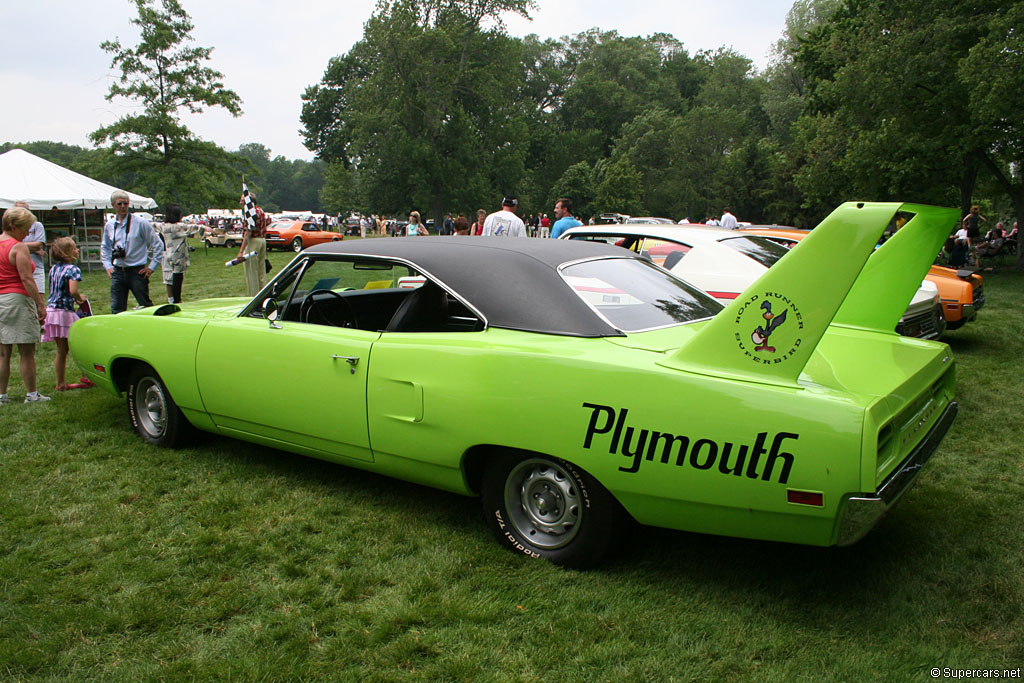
[
  {"x": 301, "y": 380},
  {"x": 311, "y": 234},
  {"x": 302, "y": 384}
]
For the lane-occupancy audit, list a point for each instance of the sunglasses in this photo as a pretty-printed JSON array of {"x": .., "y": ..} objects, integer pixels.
[{"x": 120, "y": 203}]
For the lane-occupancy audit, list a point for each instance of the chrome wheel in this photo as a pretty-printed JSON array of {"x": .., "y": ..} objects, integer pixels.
[
  {"x": 543, "y": 503},
  {"x": 152, "y": 407},
  {"x": 297, "y": 245}
]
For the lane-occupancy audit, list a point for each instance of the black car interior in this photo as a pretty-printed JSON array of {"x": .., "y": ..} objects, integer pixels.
[{"x": 428, "y": 308}]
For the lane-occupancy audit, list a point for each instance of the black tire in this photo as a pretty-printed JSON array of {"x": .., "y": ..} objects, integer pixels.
[
  {"x": 153, "y": 413},
  {"x": 547, "y": 508},
  {"x": 232, "y": 244},
  {"x": 208, "y": 243},
  {"x": 297, "y": 245}
]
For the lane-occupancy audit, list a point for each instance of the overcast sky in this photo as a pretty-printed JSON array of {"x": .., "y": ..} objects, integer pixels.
[{"x": 54, "y": 76}]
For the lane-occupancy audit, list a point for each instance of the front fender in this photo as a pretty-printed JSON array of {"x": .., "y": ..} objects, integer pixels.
[{"x": 108, "y": 347}]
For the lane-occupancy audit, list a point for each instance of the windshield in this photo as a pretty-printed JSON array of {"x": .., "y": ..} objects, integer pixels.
[
  {"x": 634, "y": 295},
  {"x": 761, "y": 249}
]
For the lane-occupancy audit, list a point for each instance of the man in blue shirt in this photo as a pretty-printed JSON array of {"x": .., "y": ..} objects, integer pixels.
[
  {"x": 563, "y": 217},
  {"x": 130, "y": 252}
]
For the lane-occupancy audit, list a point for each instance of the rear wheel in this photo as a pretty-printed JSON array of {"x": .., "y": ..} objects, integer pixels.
[
  {"x": 154, "y": 414},
  {"x": 297, "y": 245},
  {"x": 547, "y": 508}
]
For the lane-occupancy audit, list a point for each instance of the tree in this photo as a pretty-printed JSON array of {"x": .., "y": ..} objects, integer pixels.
[
  {"x": 651, "y": 144},
  {"x": 427, "y": 96},
  {"x": 164, "y": 77},
  {"x": 620, "y": 188},
  {"x": 889, "y": 116},
  {"x": 577, "y": 183}
]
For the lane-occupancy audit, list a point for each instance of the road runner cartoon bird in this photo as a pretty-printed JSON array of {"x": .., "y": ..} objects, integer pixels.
[{"x": 763, "y": 332}]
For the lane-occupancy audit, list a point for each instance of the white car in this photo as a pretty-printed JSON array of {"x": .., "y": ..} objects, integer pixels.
[{"x": 725, "y": 262}]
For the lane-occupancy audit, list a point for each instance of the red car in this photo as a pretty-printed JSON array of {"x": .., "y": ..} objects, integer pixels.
[{"x": 297, "y": 235}]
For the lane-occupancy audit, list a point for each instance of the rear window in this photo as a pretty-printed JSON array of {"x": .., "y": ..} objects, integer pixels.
[
  {"x": 633, "y": 295},
  {"x": 761, "y": 249}
]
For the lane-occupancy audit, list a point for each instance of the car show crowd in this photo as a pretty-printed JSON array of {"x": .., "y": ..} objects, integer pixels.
[{"x": 134, "y": 245}]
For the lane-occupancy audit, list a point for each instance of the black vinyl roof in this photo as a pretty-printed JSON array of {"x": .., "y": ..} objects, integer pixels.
[{"x": 513, "y": 282}]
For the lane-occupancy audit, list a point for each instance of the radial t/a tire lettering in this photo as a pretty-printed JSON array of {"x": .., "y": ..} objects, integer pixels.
[
  {"x": 154, "y": 414},
  {"x": 547, "y": 508}
]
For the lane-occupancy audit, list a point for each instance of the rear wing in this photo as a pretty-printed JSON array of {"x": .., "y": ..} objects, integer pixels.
[
  {"x": 893, "y": 273},
  {"x": 768, "y": 333}
]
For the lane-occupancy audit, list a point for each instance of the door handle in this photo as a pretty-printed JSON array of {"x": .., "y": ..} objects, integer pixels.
[{"x": 351, "y": 360}]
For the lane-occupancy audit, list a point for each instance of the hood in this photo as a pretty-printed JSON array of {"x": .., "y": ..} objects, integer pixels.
[{"x": 211, "y": 309}]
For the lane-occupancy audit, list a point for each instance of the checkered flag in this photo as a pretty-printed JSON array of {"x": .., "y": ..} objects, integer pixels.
[{"x": 249, "y": 210}]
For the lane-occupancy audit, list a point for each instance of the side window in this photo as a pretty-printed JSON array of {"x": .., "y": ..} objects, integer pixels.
[{"x": 367, "y": 294}]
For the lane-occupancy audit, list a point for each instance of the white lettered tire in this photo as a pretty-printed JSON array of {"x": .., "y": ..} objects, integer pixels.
[
  {"x": 547, "y": 508},
  {"x": 153, "y": 413}
]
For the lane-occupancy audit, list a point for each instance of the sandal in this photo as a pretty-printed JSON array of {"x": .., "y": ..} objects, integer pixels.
[{"x": 85, "y": 383}]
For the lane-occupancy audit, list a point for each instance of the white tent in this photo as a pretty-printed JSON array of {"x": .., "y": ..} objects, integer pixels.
[{"x": 45, "y": 185}]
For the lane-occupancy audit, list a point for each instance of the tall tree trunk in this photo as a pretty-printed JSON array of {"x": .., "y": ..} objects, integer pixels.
[
  {"x": 437, "y": 208},
  {"x": 967, "y": 182}
]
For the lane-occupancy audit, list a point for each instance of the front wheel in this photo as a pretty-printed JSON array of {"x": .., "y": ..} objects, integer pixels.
[
  {"x": 547, "y": 508},
  {"x": 154, "y": 414},
  {"x": 297, "y": 245}
]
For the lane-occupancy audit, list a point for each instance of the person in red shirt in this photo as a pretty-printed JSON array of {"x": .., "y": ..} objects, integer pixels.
[{"x": 22, "y": 306}]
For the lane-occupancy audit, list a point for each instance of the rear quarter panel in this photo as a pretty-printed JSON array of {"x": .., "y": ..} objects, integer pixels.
[{"x": 611, "y": 410}]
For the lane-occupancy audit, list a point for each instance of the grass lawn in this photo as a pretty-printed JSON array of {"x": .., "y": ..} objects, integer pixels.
[{"x": 227, "y": 560}]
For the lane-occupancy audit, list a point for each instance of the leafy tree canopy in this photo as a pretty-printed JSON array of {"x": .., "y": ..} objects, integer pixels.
[{"x": 165, "y": 76}]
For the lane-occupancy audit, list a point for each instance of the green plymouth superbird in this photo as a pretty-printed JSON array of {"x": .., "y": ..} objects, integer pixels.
[{"x": 574, "y": 386}]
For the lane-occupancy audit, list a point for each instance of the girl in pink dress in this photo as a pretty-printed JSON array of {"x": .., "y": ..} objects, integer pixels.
[{"x": 60, "y": 307}]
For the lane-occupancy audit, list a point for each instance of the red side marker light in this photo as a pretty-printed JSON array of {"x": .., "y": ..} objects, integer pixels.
[
  {"x": 99, "y": 368},
  {"x": 805, "y": 498}
]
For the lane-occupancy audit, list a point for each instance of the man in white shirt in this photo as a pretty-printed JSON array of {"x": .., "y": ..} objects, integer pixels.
[
  {"x": 505, "y": 223},
  {"x": 728, "y": 221}
]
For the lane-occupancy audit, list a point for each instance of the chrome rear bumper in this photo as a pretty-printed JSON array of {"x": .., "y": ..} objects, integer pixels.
[{"x": 860, "y": 512}]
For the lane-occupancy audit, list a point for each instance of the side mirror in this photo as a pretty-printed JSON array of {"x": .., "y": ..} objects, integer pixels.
[{"x": 270, "y": 312}]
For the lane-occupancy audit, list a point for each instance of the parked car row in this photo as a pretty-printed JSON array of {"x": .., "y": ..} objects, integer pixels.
[{"x": 725, "y": 262}]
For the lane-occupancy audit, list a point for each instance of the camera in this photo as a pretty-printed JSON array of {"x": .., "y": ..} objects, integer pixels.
[{"x": 118, "y": 252}]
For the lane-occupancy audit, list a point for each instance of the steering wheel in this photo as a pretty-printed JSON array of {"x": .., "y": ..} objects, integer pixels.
[{"x": 310, "y": 302}]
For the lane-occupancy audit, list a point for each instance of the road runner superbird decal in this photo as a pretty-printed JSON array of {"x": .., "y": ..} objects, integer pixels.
[
  {"x": 701, "y": 454},
  {"x": 766, "y": 313}
]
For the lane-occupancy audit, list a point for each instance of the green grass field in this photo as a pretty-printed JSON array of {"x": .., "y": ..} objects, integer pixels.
[{"x": 230, "y": 561}]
